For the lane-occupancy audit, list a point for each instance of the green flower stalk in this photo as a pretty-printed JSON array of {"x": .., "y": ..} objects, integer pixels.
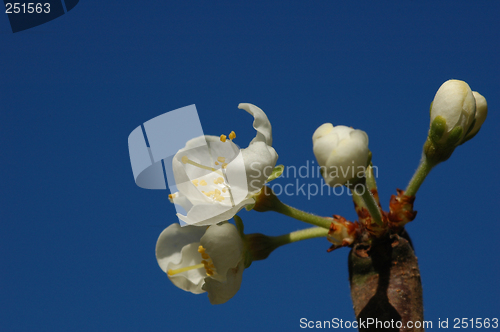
[
  {"x": 341, "y": 233},
  {"x": 260, "y": 246}
]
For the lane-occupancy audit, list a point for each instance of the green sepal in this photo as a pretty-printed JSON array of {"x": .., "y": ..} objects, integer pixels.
[
  {"x": 249, "y": 207},
  {"x": 239, "y": 226},
  {"x": 369, "y": 162},
  {"x": 247, "y": 259},
  {"x": 258, "y": 247},
  {"x": 436, "y": 153},
  {"x": 454, "y": 136},
  {"x": 276, "y": 173},
  {"x": 438, "y": 127}
]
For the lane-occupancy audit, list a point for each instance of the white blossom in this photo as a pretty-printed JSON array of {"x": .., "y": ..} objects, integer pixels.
[
  {"x": 342, "y": 153},
  {"x": 200, "y": 259},
  {"x": 215, "y": 178}
]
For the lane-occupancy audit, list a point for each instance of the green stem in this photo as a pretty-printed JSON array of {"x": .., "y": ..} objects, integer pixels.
[
  {"x": 371, "y": 183},
  {"x": 358, "y": 200},
  {"x": 418, "y": 178},
  {"x": 304, "y": 234},
  {"x": 301, "y": 215},
  {"x": 370, "y": 202},
  {"x": 260, "y": 246}
]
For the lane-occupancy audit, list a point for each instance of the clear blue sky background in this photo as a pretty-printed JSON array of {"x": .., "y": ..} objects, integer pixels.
[{"x": 77, "y": 235}]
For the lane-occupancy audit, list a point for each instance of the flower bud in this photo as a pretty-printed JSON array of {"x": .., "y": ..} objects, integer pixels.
[
  {"x": 481, "y": 113},
  {"x": 452, "y": 113},
  {"x": 341, "y": 152}
]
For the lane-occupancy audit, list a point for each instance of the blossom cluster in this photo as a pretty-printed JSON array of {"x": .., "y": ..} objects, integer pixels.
[{"x": 215, "y": 179}]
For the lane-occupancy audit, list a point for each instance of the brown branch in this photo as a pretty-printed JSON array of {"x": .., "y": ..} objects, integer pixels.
[{"x": 385, "y": 283}]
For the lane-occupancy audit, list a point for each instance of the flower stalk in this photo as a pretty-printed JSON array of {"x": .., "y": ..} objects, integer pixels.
[
  {"x": 303, "y": 216},
  {"x": 260, "y": 246},
  {"x": 304, "y": 234},
  {"x": 424, "y": 168},
  {"x": 266, "y": 200},
  {"x": 371, "y": 204}
]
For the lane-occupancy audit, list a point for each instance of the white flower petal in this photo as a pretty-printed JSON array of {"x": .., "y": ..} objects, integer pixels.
[
  {"x": 344, "y": 132},
  {"x": 221, "y": 292},
  {"x": 209, "y": 214},
  {"x": 261, "y": 123},
  {"x": 227, "y": 150},
  {"x": 192, "y": 280},
  {"x": 322, "y": 148},
  {"x": 224, "y": 245},
  {"x": 237, "y": 180},
  {"x": 178, "y": 247},
  {"x": 323, "y": 130},
  {"x": 481, "y": 113},
  {"x": 260, "y": 160},
  {"x": 181, "y": 200}
]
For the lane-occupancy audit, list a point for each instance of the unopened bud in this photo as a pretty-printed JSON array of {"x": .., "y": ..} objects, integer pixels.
[
  {"x": 481, "y": 113},
  {"x": 341, "y": 152},
  {"x": 452, "y": 113}
]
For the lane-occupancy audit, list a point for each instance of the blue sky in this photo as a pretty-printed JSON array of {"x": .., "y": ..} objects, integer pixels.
[{"x": 78, "y": 236}]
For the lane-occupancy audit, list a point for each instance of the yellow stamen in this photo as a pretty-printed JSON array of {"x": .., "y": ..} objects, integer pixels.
[
  {"x": 203, "y": 183},
  {"x": 171, "y": 197},
  {"x": 195, "y": 182},
  {"x": 224, "y": 165},
  {"x": 171, "y": 272},
  {"x": 216, "y": 163},
  {"x": 232, "y": 135},
  {"x": 206, "y": 262},
  {"x": 224, "y": 190},
  {"x": 221, "y": 159},
  {"x": 186, "y": 160},
  {"x": 223, "y": 138}
]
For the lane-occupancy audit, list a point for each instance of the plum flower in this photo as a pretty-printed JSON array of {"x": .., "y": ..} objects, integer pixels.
[
  {"x": 453, "y": 112},
  {"x": 201, "y": 259},
  {"x": 342, "y": 152},
  {"x": 215, "y": 178}
]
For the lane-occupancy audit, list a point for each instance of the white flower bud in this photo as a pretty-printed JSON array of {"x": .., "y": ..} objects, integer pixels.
[
  {"x": 342, "y": 152},
  {"x": 452, "y": 113},
  {"x": 481, "y": 113}
]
